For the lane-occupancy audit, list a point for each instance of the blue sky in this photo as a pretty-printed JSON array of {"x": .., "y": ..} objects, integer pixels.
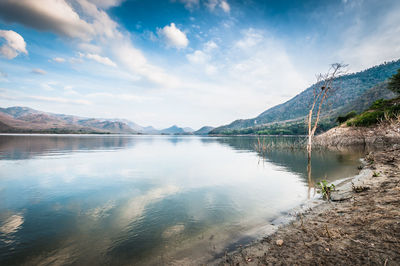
[{"x": 185, "y": 62}]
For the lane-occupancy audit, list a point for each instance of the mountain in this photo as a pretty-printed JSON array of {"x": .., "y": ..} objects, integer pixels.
[
  {"x": 173, "y": 130},
  {"x": 132, "y": 125},
  {"x": 203, "y": 131},
  {"x": 351, "y": 87},
  {"x": 188, "y": 129},
  {"x": 151, "y": 130},
  {"x": 362, "y": 103},
  {"x": 24, "y": 119},
  {"x": 106, "y": 125},
  {"x": 27, "y": 120}
]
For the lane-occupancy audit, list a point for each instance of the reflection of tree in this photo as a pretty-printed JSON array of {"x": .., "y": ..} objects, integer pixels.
[{"x": 324, "y": 162}]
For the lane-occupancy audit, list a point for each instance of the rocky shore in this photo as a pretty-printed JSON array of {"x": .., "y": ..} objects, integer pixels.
[
  {"x": 361, "y": 227},
  {"x": 379, "y": 135}
]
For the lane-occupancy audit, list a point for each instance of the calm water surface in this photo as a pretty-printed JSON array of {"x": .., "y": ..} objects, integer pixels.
[{"x": 123, "y": 200}]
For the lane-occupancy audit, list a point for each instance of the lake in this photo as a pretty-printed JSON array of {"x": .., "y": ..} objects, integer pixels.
[{"x": 142, "y": 200}]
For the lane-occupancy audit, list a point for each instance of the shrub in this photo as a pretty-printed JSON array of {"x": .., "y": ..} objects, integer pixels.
[
  {"x": 325, "y": 189},
  {"x": 344, "y": 118},
  {"x": 367, "y": 119},
  {"x": 378, "y": 104}
]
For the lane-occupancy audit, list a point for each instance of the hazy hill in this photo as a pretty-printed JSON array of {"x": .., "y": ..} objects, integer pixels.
[
  {"x": 203, "y": 131},
  {"x": 352, "y": 87},
  {"x": 132, "y": 125},
  {"x": 173, "y": 130},
  {"x": 188, "y": 129}
]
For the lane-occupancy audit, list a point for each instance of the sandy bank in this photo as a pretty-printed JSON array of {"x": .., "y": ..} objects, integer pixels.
[{"x": 362, "y": 228}]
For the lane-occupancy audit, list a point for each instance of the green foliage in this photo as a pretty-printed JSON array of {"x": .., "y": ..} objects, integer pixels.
[
  {"x": 378, "y": 104},
  {"x": 376, "y": 174},
  {"x": 367, "y": 119},
  {"x": 379, "y": 110},
  {"x": 394, "y": 83},
  {"x": 325, "y": 189},
  {"x": 344, "y": 118}
]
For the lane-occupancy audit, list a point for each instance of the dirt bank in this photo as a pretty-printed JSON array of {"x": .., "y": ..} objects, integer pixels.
[
  {"x": 362, "y": 229},
  {"x": 380, "y": 135}
]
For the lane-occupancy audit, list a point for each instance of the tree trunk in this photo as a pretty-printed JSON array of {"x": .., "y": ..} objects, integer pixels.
[
  {"x": 309, "y": 142},
  {"x": 309, "y": 146},
  {"x": 309, "y": 180}
]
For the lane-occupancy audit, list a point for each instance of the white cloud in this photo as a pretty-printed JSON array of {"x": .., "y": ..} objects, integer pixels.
[
  {"x": 173, "y": 36},
  {"x": 106, "y": 3},
  {"x": 211, "y": 4},
  {"x": 103, "y": 26},
  {"x": 90, "y": 48},
  {"x": 364, "y": 45},
  {"x": 38, "y": 71},
  {"x": 203, "y": 57},
  {"x": 197, "y": 57},
  {"x": 134, "y": 60},
  {"x": 223, "y": 4},
  {"x": 120, "y": 96},
  {"x": 14, "y": 44},
  {"x": 58, "y": 100},
  {"x": 263, "y": 58},
  {"x": 190, "y": 4},
  {"x": 96, "y": 31},
  {"x": 59, "y": 59},
  {"x": 251, "y": 39},
  {"x": 57, "y": 16},
  {"x": 209, "y": 46},
  {"x": 100, "y": 59}
]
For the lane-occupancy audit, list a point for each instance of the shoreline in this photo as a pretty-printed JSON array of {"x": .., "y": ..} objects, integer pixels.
[{"x": 360, "y": 227}]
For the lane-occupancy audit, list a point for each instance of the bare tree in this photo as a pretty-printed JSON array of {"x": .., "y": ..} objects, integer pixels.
[{"x": 322, "y": 90}]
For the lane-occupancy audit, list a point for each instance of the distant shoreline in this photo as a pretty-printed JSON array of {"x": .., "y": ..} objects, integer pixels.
[{"x": 141, "y": 134}]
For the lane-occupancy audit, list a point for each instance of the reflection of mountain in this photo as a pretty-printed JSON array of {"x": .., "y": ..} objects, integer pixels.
[
  {"x": 324, "y": 163},
  {"x": 25, "y": 147}
]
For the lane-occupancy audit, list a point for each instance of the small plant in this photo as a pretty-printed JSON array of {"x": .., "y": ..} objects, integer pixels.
[
  {"x": 376, "y": 174},
  {"x": 325, "y": 189}
]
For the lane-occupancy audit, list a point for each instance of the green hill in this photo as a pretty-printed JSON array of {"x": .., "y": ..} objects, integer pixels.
[{"x": 357, "y": 91}]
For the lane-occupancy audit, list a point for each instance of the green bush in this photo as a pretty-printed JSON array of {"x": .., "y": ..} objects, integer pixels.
[
  {"x": 367, "y": 119},
  {"x": 378, "y": 104},
  {"x": 344, "y": 118}
]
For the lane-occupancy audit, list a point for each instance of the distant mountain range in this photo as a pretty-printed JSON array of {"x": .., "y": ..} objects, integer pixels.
[
  {"x": 356, "y": 92},
  {"x": 27, "y": 120}
]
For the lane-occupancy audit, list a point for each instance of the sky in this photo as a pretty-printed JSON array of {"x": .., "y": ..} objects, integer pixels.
[{"x": 185, "y": 62}]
